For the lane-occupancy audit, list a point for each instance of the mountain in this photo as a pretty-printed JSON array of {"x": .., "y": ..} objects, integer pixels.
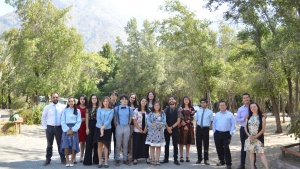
[{"x": 98, "y": 21}]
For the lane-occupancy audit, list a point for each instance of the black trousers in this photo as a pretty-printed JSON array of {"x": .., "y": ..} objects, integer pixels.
[
  {"x": 222, "y": 141},
  {"x": 91, "y": 148},
  {"x": 52, "y": 132},
  {"x": 243, "y": 137},
  {"x": 175, "y": 144},
  {"x": 113, "y": 132},
  {"x": 202, "y": 136}
]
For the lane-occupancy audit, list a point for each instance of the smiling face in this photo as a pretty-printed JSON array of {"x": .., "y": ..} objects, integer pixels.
[
  {"x": 143, "y": 102},
  {"x": 254, "y": 108},
  {"x": 71, "y": 102},
  {"x": 222, "y": 106},
  {"x": 172, "y": 101},
  {"x": 132, "y": 98},
  {"x": 94, "y": 99},
  {"x": 105, "y": 103},
  {"x": 246, "y": 99},
  {"x": 82, "y": 100},
  {"x": 156, "y": 107},
  {"x": 150, "y": 96},
  {"x": 203, "y": 104},
  {"x": 186, "y": 101},
  {"x": 55, "y": 98},
  {"x": 124, "y": 101}
]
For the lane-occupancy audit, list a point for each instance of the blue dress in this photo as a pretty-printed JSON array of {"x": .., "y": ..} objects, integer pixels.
[{"x": 155, "y": 135}]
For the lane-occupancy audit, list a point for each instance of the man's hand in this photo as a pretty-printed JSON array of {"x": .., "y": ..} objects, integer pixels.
[{"x": 246, "y": 118}]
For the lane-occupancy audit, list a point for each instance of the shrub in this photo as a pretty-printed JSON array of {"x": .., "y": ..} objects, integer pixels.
[
  {"x": 32, "y": 116},
  {"x": 7, "y": 128},
  {"x": 18, "y": 103},
  {"x": 294, "y": 127}
]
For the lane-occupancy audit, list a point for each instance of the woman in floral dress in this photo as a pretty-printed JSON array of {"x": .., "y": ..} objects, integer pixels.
[
  {"x": 255, "y": 127},
  {"x": 156, "y": 122}
]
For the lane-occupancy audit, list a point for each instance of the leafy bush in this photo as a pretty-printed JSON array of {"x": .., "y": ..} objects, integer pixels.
[
  {"x": 7, "y": 128},
  {"x": 18, "y": 103},
  {"x": 32, "y": 116},
  {"x": 294, "y": 127}
]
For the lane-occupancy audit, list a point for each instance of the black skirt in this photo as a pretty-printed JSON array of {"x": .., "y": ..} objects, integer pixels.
[
  {"x": 105, "y": 139},
  {"x": 139, "y": 148}
]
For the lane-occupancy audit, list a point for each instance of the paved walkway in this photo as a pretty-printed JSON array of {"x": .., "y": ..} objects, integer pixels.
[{"x": 27, "y": 150}]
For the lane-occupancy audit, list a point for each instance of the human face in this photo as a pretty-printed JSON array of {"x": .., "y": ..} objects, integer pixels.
[
  {"x": 71, "y": 102},
  {"x": 150, "y": 96},
  {"x": 124, "y": 101},
  {"x": 246, "y": 99},
  {"x": 186, "y": 101},
  {"x": 203, "y": 104},
  {"x": 143, "y": 102},
  {"x": 113, "y": 97},
  {"x": 82, "y": 101},
  {"x": 222, "y": 106},
  {"x": 156, "y": 107},
  {"x": 94, "y": 99},
  {"x": 254, "y": 108},
  {"x": 132, "y": 98},
  {"x": 105, "y": 103},
  {"x": 172, "y": 101},
  {"x": 55, "y": 98}
]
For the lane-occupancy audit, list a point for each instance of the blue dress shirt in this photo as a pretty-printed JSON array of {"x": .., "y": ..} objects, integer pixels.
[
  {"x": 242, "y": 112},
  {"x": 224, "y": 121},
  {"x": 207, "y": 118},
  {"x": 68, "y": 117},
  {"x": 104, "y": 117},
  {"x": 123, "y": 115},
  {"x": 150, "y": 121}
]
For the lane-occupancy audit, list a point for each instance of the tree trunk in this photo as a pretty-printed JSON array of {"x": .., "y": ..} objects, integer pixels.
[
  {"x": 276, "y": 113},
  {"x": 297, "y": 93},
  {"x": 283, "y": 109},
  {"x": 207, "y": 93},
  {"x": 290, "y": 102}
]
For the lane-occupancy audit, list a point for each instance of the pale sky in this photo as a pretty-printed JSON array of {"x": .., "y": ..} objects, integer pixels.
[{"x": 4, "y": 8}]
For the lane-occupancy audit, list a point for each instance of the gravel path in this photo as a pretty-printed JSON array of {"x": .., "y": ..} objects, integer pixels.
[{"x": 27, "y": 150}]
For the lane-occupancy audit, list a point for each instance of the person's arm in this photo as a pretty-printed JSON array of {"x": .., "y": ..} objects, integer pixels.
[
  {"x": 214, "y": 123},
  {"x": 115, "y": 116},
  {"x": 130, "y": 115},
  {"x": 87, "y": 130},
  {"x": 245, "y": 128},
  {"x": 178, "y": 120},
  {"x": 98, "y": 118},
  {"x": 149, "y": 122},
  {"x": 239, "y": 117},
  {"x": 107, "y": 122},
  {"x": 44, "y": 118},
  {"x": 76, "y": 127},
  {"x": 263, "y": 128},
  {"x": 232, "y": 130},
  {"x": 135, "y": 114},
  {"x": 211, "y": 118},
  {"x": 64, "y": 126}
]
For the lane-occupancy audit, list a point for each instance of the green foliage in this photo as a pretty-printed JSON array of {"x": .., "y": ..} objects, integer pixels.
[
  {"x": 294, "y": 127},
  {"x": 7, "y": 128},
  {"x": 32, "y": 116}
]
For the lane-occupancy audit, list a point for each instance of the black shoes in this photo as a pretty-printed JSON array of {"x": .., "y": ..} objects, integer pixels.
[
  {"x": 126, "y": 162},
  {"x": 187, "y": 160},
  {"x": 198, "y": 162},
  {"x": 241, "y": 167},
  {"x": 165, "y": 161},
  {"x": 206, "y": 162},
  {"x": 228, "y": 167},
  {"x": 176, "y": 162},
  {"x": 181, "y": 159},
  {"x": 117, "y": 163},
  {"x": 47, "y": 162},
  {"x": 220, "y": 163}
]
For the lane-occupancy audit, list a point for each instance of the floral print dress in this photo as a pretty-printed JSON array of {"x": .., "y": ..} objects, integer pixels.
[
  {"x": 155, "y": 136},
  {"x": 254, "y": 146}
]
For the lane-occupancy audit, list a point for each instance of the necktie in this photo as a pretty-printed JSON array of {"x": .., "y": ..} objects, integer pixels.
[
  {"x": 202, "y": 118},
  {"x": 123, "y": 107},
  {"x": 56, "y": 118}
]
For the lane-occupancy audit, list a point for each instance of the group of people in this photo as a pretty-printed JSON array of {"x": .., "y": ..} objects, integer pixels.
[{"x": 139, "y": 126}]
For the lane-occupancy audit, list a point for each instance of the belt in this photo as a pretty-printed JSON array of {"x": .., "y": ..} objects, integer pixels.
[
  {"x": 203, "y": 126},
  {"x": 54, "y": 126},
  {"x": 222, "y": 131}
]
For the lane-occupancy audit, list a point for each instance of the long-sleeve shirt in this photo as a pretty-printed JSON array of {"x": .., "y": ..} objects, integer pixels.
[
  {"x": 242, "y": 112},
  {"x": 68, "y": 117},
  {"x": 104, "y": 117},
  {"x": 151, "y": 119},
  {"x": 207, "y": 117},
  {"x": 123, "y": 115},
  {"x": 48, "y": 116},
  {"x": 224, "y": 121}
]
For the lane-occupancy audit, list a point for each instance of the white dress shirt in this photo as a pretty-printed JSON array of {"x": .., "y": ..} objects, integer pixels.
[{"x": 48, "y": 117}]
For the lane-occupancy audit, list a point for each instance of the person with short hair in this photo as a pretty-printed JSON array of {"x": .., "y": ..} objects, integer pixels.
[
  {"x": 224, "y": 128},
  {"x": 51, "y": 119},
  {"x": 204, "y": 119},
  {"x": 122, "y": 119},
  {"x": 114, "y": 99}
]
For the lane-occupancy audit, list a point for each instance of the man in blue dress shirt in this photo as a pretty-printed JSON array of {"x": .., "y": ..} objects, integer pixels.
[
  {"x": 204, "y": 118},
  {"x": 122, "y": 119},
  {"x": 224, "y": 128},
  {"x": 51, "y": 119}
]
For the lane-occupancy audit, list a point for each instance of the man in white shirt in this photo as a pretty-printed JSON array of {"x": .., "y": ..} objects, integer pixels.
[{"x": 51, "y": 122}]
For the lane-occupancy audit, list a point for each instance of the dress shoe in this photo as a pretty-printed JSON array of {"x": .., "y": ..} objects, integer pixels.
[
  {"x": 241, "y": 167},
  {"x": 176, "y": 162},
  {"x": 63, "y": 161},
  {"x": 228, "y": 167},
  {"x": 198, "y": 162},
  {"x": 206, "y": 162},
  {"x": 165, "y": 161},
  {"x": 47, "y": 162},
  {"x": 117, "y": 163},
  {"x": 220, "y": 163},
  {"x": 126, "y": 162}
]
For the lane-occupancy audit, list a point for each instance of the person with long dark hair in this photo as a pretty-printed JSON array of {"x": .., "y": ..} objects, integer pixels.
[
  {"x": 114, "y": 99},
  {"x": 133, "y": 104},
  {"x": 70, "y": 123},
  {"x": 140, "y": 148},
  {"x": 186, "y": 130},
  {"x": 151, "y": 98},
  {"x": 81, "y": 105},
  {"x": 103, "y": 131},
  {"x": 255, "y": 127},
  {"x": 156, "y": 123},
  {"x": 91, "y": 154}
]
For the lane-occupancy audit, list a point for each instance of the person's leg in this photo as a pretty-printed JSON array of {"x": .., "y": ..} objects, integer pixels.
[
  {"x": 100, "y": 147},
  {"x": 118, "y": 141},
  {"x": 95, "y": 157},
  {"x": 181, "y": 152},
  {"x": 206, "y": 142},
  {"x": 252, "y": 160},
  {"x": 50, "y": 138},
  {"x": 73, "y": 156},
  {"x": 226, "y": 141},
  {"x": 82, "y": 147},
  {"x": 126, "y": 134},
  {"x": 167, "y": 139},
  {"x": 67, "y": 155},
  {"x": 219, "y": 147},
  {"x": 58, "y": 133},
  {"x": 243, "y": 137},
  {"x": 152, "y": 148},
  {"x": 157, "y": 155},
  {"x": 105, "y": 155},
  {"x": 187, "y": 151},
  {"x": 199, "y": 143},
  {"x": 136, "y": 137},
  {"x": 263, "y": 159},
  {"x": 175, "y": 147},
  {"x": 88, "y": 155}
]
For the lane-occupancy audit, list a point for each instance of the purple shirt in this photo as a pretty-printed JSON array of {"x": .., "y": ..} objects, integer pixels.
[{"x": 242, "y": 112}]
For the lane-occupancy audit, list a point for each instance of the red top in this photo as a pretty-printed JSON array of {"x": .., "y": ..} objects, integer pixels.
[
  {"x": 82, "y": 110},
  {"x": 81, "y": 131}
]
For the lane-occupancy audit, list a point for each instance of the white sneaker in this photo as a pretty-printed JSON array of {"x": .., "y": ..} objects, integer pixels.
[{"x": 67, "y": 165}]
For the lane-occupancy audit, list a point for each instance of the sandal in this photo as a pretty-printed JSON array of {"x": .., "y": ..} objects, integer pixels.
[
  {"x": 181, "y": 159},
  {"x": 152, "y": 163},
  {"x": 157, "y": 163},
  {"x": 187, "y": 159},
  {"x": 81, "y": 160},
  {"x": 134, "y": 162},
  {"x": 148, "y": 161}
]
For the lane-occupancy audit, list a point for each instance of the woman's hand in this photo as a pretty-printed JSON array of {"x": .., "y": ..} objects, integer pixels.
[
  {"x": 82, "y": 119},
  {"x": 253, "y": 138},
  {"x": 87, "y": 131},
  {"x": 186, "y": 128},
  {"x": 70, "y": 133},
  {"x": 183, "y": 123},
  {"x": 153, "y": 124}
]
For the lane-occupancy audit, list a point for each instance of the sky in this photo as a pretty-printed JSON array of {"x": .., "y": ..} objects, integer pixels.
[{"x": 4, "y": 8}]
